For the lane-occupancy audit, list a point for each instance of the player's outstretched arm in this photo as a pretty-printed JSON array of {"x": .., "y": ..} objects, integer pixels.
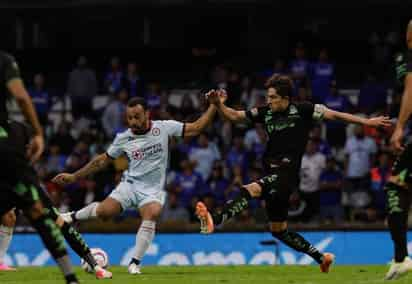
[
  {"x": 218, "y": 98},
  {"x": 196, "y": 127},
  {"x": 96, "y": 164},
  {"x": 379, "y": 121}
]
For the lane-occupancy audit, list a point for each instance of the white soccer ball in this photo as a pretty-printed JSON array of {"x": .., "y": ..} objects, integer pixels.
[{"x": 101, "y": 258}]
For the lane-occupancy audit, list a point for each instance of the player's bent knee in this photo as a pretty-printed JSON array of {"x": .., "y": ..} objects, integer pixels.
[
  {"x": 277, "y": 227},
  {"x": 9, "y": 219},
  {"x": 254, "y": 189},
  {"x": 59, "y": 221}
]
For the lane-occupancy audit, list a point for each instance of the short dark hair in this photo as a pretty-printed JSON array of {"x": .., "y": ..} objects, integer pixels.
[
  {"x": 137, "y": 101},
  {"x": 281, "y": 83}
]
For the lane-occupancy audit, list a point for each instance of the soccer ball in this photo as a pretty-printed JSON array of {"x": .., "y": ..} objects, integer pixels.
[{"x": 101, "y": 258}]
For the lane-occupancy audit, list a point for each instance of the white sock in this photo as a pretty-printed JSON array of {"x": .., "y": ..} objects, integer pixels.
[
  {"x": 6, "y": 234},
  {"x": 87, "y": 212},
  {"x": 144, "y": 238}
]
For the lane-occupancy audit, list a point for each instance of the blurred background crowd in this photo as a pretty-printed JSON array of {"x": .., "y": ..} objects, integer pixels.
[
  {"x": 345, "y": 64},
  {"x": 343, "y": 169}
]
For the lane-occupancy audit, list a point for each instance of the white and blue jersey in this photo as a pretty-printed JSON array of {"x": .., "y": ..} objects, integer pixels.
[{"x": 148, "y": 155}]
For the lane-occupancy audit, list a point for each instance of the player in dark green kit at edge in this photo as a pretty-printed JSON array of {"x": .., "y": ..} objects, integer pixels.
[
  {"x": 18, "y": 181},
  {"x": 399, "y": 186},
  {"x": 287, "y": 125}
]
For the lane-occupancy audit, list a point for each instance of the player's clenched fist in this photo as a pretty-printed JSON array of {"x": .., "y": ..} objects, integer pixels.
[{"x": 64, "y": 179}]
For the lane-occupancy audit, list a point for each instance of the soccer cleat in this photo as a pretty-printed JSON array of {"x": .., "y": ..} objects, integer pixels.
[
  {"x": 328, "y": 259},
  {"x": 134, "y": 266},
  {"x": 5, "y": 267},
  {"x": 103, "y": 274},
  {"x": 68, "y": 217},
  {"x": 399, "y": 269},
  {"x": 134, "y": 269},
  {"x": 206, "y": 220}
]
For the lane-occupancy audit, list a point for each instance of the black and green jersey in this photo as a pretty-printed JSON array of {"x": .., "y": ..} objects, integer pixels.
[
  {"x": 8, "y": 70},
  {"x": 403, "y": 65},
  {"x": 288, "y": 131}
]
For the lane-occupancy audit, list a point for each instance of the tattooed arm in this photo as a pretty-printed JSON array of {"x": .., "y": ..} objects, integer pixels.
[{"x": 95, "y": 165}]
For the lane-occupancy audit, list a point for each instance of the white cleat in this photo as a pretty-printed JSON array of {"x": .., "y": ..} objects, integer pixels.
[
  {"x": 134, "y": 269},
  {"x": 103, "y": 274},
  {"x": 67, "y": 217},
  {"x": 399, "y": 269}
]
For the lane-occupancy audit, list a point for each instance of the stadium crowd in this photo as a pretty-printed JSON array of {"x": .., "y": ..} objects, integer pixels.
[{"x": 343, "y": 170}]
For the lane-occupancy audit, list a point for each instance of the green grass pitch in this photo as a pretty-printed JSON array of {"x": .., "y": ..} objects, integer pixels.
[{"x": 213, "y": 274}]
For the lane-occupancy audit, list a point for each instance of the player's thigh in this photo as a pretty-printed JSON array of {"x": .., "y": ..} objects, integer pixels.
[
  {"x": 109, "y": 208},
  {"x": 151, "y": 211}
]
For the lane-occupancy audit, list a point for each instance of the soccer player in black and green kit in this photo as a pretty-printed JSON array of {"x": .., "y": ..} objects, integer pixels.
[
  {"x": 17, "y": 182},
  {"x": 399, "y": 186},
  {"x": 287, "y": 125}
]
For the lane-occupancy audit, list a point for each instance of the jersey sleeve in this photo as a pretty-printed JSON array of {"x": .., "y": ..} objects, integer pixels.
[
  {"x": 173, "y": 127},
  {"x": 11, "y": 69},
  {"x": 115, "y": 150},
  {"x": 312, "y": 111},
  {"x": 257, "y": 114}
]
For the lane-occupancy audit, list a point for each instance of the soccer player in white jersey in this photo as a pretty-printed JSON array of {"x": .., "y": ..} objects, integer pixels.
[{"x": 145, "y": 144}]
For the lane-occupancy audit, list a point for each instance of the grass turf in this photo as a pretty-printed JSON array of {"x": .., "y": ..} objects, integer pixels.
[{"x": 213, "y": 274}]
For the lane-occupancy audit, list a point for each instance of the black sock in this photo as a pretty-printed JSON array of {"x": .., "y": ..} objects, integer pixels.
[
  {"x": 298, "y": 243},
  {"x": 71, "y": 279},
  {"x": 397, "y": 219},
  {"x": 233, "y": 207},
  {"x": 78, "y": 244},
  {"x": 135, "y": 261}
]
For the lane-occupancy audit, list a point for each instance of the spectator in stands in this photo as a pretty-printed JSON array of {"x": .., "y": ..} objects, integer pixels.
[
  {"x": 379, "y": 176},
  {"x": 237, "y": 154},
  {"x": 41, "y": 98},
  {"x": 322, "y": 74},
  {"x": 250, "y": 96},
  {"x": 63, "y": 138},
  {"x": 153, "y": 96},
  {"x": 359, "y": 150},
  {"x": 330, "y": 187},
  {"x": 204, "y": 155},
  {"x": 323, "y": 145},
  {"x": 113, "y": 115},
  {"x": 277, "y": 68},
  {"x": 336, "y": 130},
  {"x": 313, "y": 163},
  {"x": 133, "y": 81},
  {"x": 172, "y": 212},
  {"x": 82, "y": 87},
  {"x": 372, "y": 95},
  {"x": 188, "y": 183},
  {"x": 114, "y": 77},
  {"x": 217, "y": 184},
  {"x": 299, "y": 66},
  {"x": 55, "y": 160}
]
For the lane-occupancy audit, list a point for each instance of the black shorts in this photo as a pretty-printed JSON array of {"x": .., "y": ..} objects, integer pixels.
[
  {"x": 403, "y": 165},
  {"x": 23, "y": 196},
  {"x": 282, "y": 178}
]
